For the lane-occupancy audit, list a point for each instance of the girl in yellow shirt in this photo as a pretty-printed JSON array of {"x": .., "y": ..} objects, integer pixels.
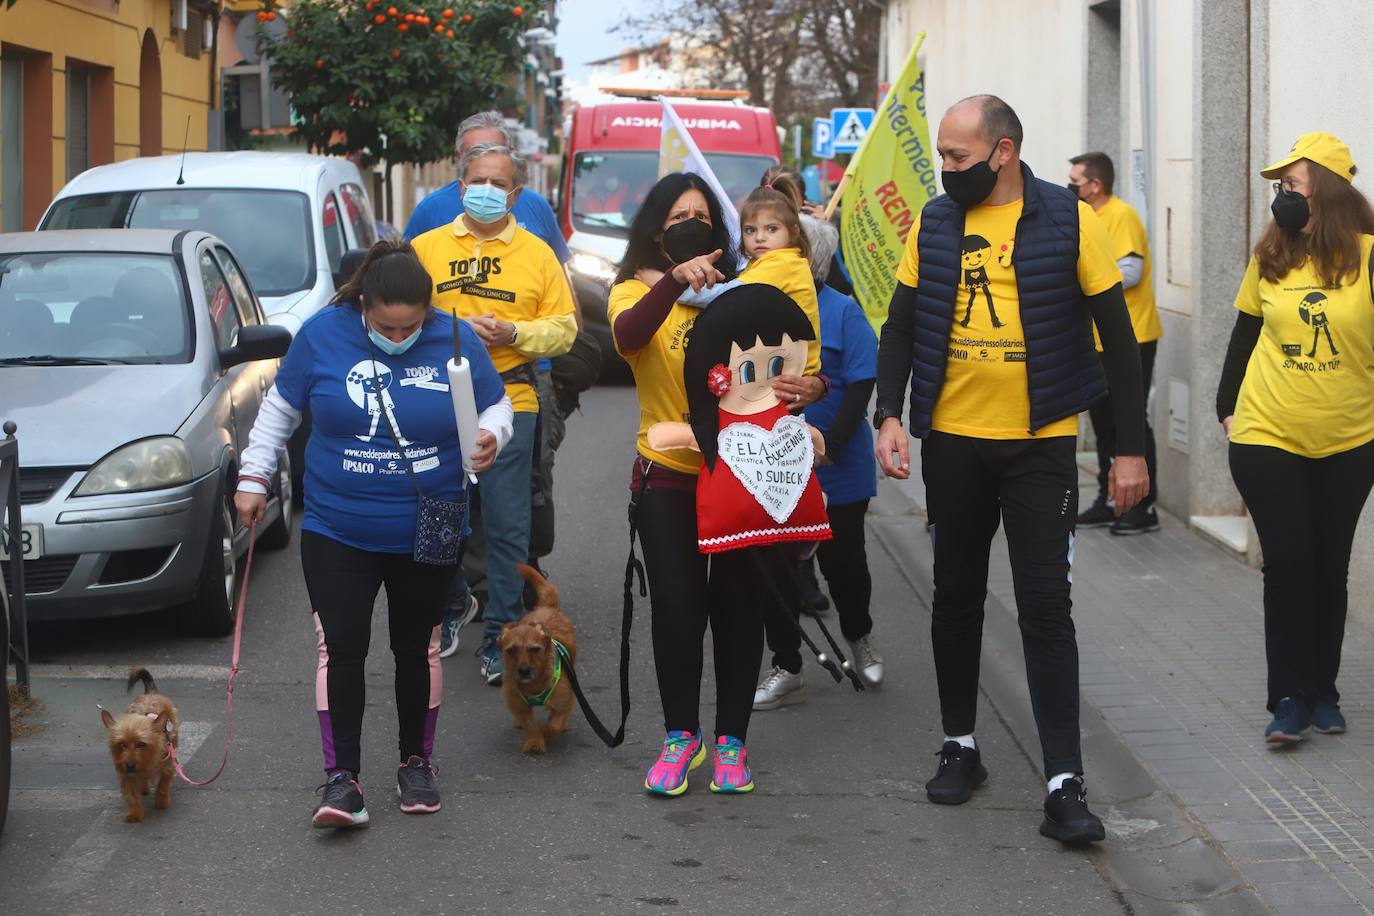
[
  {"x": 1297, "y": 401},
  {"x": 771, "y": 238}
]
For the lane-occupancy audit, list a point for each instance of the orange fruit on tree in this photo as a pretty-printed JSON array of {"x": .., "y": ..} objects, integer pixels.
[
  {"x": 262, "y": 15},
  {"x": 467, "y": 17},
  {"x": 396, "y": 52},
  {"x": 518, "y": 11},
  {"x": 449, "y": 33},
  {"x": 439, "y": 29},
  {"x": 423, "y": 20},
  {"x": 448, "y": 14},
  {"x": 403, "y": 28},
  {"x": 271, "y": 16},
  {"x": 319, "y": 63},
  {"x": 391, "y": 11},
  {"x": 379, "y": 19}
]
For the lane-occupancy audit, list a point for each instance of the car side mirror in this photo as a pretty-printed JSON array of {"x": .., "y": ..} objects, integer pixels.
[
  {"x": 255, "y": 342},
  {"x": 348, "y": 266}
]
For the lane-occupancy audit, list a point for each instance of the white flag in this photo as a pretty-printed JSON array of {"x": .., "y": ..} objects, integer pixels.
[{"x": 677, "y": 152}]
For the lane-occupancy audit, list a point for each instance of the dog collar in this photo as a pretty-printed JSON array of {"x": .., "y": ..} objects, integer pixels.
[{"x": 560, "y": 652}]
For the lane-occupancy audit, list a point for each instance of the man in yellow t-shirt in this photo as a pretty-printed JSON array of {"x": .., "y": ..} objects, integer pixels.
[
  {"x": 1091, "y": 177},
  {"x": 510, "y": 287},
  {"x": 997, "y": 291}
]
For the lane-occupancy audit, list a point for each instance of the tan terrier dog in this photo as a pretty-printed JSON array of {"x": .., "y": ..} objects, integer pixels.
[
  {"x": 533, "y": 674},
  {"x": 141, "y": 743}
]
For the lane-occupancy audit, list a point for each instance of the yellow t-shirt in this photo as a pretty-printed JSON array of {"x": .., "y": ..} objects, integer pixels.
[
  {"x": 514, "y": 276},
  {"x": 1309, "y": 384},
  {"x": 985, "y": 393},
  {"x": 786, "y": 269},
  {"x": 1128, "y": 237},
  {"x": 658, "y": 374}
]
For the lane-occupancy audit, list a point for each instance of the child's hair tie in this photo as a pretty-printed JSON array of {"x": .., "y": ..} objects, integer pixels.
[{"x": 718, "y": 379}]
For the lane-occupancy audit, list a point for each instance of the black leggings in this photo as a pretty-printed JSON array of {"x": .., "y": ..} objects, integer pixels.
[
  {"x": 343, "y": 583},
  {"x": 844, "y": 563},
  {"x": 1104, "y": 429},
  {"x": 1306, "y": 511},
  {"x": 686, "y": 592},
  {"x": 1031, "y": 487}
]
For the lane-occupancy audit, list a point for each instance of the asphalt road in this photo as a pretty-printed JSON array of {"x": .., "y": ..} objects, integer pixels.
[{"x": 839, "y": 822}]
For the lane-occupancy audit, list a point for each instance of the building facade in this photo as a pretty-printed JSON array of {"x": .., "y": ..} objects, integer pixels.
[
  {"x": 89, "y": 82},
  {"x": 1190, "y": 98}
]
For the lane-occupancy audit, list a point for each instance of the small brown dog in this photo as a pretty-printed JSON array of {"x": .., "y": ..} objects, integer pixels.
[
  {"x": 533, "y": 674},
  {"x": 140, "y": 744}
]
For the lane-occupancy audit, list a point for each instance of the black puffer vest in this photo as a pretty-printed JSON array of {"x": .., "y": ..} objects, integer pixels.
[{"x": 1063, "y": 371}]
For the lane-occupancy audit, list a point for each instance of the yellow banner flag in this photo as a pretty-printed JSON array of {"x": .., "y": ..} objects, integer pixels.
[{"x": 888, "y": 181}]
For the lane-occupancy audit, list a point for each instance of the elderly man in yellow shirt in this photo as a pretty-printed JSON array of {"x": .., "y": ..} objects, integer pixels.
[{"x": 509, "y": 286}]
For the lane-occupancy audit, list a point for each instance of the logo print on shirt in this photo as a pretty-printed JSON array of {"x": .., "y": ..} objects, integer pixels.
[
  {"x": 364, "y": 387},
  {"x": 975, "y": 253},
  {"x": 1312, "y": 310}
]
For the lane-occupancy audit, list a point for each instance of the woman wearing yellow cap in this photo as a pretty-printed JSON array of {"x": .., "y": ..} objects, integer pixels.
[{"x": 1297, "y": 401}]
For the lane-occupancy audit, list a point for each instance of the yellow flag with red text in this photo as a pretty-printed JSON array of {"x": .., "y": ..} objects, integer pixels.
[{"x": 888, "y": 181}]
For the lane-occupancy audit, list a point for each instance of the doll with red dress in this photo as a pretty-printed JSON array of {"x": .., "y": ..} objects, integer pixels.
[{"x": 757, "y": 485}]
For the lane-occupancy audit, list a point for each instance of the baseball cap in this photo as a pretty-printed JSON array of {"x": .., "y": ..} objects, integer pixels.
[{"x": 1321, "y": 148}]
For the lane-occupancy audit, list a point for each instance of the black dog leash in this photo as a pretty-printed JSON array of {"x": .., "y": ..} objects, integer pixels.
[
  {"x": 633, "y": 568},
  {"x": 838, "y": 666}
]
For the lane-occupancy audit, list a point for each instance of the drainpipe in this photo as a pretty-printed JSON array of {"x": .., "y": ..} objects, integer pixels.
[{"x": 1144, "y": 29}]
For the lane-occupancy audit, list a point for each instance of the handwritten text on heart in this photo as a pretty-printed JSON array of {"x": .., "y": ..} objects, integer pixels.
[{"x": 774, "y": 466}]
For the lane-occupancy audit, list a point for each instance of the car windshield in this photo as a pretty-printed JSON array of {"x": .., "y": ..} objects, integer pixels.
[
  {"x": 87, "y": 308},
  {"x": 268, "y": 231},
  {"x": 608, "y": 187}
]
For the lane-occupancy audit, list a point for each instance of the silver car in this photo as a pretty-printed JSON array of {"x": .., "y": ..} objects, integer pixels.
[{"x": 134, "y": 362}]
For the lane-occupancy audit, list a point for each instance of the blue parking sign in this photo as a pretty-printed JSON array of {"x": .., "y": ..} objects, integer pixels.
[
  {"x": 848, "y": 126},
  {"x": 823, "y": 138}
]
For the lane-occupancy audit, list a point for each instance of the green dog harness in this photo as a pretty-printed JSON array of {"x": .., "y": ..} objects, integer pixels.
[{"x": 560, "y": 652}]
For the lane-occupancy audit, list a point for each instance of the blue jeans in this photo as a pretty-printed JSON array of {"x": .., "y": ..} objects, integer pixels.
[{"x": 505, "y": 509}]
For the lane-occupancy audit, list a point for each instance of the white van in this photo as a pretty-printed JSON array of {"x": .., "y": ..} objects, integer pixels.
[{"x": 288, "y": 217}]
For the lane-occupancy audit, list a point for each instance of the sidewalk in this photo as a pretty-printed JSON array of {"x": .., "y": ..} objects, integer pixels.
[{"x": 1171, "y": 642}]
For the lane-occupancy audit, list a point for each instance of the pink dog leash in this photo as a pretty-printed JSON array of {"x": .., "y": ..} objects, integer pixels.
[{"x": 233, "y": 670}]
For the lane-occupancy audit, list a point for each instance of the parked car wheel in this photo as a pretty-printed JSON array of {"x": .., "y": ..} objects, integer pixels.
[
  {"x": 278, "y": 534},
  {"x": 213, "y": 611}
]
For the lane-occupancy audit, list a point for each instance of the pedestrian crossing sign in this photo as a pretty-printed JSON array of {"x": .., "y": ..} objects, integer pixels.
[{"x": 850, "y": 125}]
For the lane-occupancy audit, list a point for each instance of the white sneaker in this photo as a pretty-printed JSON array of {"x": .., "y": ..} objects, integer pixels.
[
  {"x": 448, "y": 634},
  {"x": 780, "y": 688},
  {"x": 866, "y": 660}
]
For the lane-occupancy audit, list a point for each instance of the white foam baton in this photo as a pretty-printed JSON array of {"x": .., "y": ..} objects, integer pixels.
[{"x": 464, "y": 410}]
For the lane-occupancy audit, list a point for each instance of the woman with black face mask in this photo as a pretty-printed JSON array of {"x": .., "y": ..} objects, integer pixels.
[
  {"x": 1297, "y": 402},
  {"x": 679, "y": 246}
]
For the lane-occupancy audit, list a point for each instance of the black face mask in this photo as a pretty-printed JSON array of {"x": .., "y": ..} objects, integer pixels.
[
  {"x": 688, "y": 239},
  {"x": 972, "y": 186},
  {"x": 1290, "y": 210},
  {"x": 1074, "y": 188}
]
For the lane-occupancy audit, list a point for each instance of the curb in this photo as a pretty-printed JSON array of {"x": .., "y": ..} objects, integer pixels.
[{"x": 1157, "y": 858}]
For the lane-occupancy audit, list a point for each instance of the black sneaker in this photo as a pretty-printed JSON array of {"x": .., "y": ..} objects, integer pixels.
[
  {"x": 961, "y": 771},
  {"x": 1292, "y": 722},
  {"x": 1067, "y": 818},
  {"x": 1137, "y": 521},
  {"x": 1098, "y": 515},
  {"x": 342, "y": 802},
  {"x": 415, "y": 785}
]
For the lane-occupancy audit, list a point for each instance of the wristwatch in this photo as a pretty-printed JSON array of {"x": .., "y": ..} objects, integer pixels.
[
  {"x": 514, "y": 333},
  {"x": 882, "y": 413}
]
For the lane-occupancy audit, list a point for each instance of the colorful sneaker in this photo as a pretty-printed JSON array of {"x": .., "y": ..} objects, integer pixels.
[
  {"x": 732, "y": 773},
  {"x": 682, "y": 753},
  {"x": 415, "y": 786},
  {"x": 342, "y": 802}
]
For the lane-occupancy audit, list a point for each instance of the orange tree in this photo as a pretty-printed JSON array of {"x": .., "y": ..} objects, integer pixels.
[{"x": 383, "y": 79}]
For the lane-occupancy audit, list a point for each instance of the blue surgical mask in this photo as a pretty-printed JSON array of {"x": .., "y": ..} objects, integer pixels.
[
  {"x": 391, "y": 347},
  {"x": 486, "y": 203}
]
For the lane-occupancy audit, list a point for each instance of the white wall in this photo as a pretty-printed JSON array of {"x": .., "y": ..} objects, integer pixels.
[{"x": 1031, "y": 55}]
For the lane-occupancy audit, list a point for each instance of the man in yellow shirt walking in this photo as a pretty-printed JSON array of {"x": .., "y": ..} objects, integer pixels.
[
  {"x": 509, "y": 286},
  {"x": 996, "y": 403},
  {"x": 1092, "y": 177}
]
